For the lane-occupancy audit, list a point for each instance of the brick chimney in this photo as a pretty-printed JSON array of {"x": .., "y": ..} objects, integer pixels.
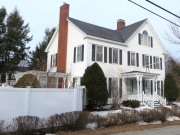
[
  {"x": 120, "y": 24},
  {"x": 62, "y": 39}
]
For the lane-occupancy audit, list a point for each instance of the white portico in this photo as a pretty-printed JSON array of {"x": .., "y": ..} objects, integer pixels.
[{"x": 143, "y": 86}]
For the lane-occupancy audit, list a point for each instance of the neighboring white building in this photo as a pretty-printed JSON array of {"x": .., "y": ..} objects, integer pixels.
[{"x": 132, "y": 57}]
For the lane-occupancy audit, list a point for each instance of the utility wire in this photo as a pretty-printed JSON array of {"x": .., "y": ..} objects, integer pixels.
[
  {"x": 163, "y": 8},
  {"x": 154, "y": 13}
]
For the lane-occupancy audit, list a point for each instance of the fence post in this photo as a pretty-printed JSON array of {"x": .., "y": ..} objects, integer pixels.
[{"x": 28, "y": 94}]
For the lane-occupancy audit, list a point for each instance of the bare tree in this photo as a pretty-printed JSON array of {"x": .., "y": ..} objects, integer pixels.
[{"x": 174, "y": 35}]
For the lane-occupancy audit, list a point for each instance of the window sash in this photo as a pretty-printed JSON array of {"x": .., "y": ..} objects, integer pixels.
[
  {"x": 115, "y": 56},
  {"x": 133, "y": 59},
  {"x": 99, "y": 53},
  {"x": 157, "y": 63},
  {"x": 79, "y": 53},
  {"x": 146, "y": 60}
]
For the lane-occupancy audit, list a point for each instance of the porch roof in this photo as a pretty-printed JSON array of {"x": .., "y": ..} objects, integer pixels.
[{"x": 133, "y": 74}]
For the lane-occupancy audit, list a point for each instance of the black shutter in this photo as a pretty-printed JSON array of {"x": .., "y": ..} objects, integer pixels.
[
  {"x": 154, "y": 62},
  {"x": 120, "y": 57},
  {"x": 161, "y": 63},
  {"x": 56, "y": 59},
  {"x": 93, "y": 52},
  {"x": 82, "y": 57},
  {"x": 128, "y": 57},
  {"x": 120, "y": 88},
  {"x": 152, "y": 42},
  {"x": 143, "y": 61},
  {"x": 150, "y": 61},
  {"x": 139, "y": 39},
  {"x": 137, "y": 59},
  {"x": 51, "y": 61},
  {"x": 105, "y": 54},
  {"x": 110, "y": 55},
  {"x": 74, "y": 54},
  {"x": 162, "y": 89},
  {"x": 110, "y": 87},
  {"x": 151, "y": 87}
]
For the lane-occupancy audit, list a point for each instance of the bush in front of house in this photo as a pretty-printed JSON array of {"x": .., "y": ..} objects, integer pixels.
[
  {"x": 26, "y": 125},
  {"x": 131, "y": 103},
  {"x": 67, "y": 121},
  {"x": 95, "y": 82},
  {"x": 27, "y": 80},
  {"x": 171, "y": 91}
]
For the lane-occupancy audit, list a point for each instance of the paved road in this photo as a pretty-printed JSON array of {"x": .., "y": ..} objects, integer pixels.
[{"x": 170, "y": 130}]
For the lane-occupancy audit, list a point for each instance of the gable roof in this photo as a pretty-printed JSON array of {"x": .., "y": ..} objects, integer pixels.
[{"x": 120, "y": 35}]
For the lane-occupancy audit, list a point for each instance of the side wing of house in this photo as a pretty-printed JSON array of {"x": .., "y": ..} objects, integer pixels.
[{"x": 52, "y": 50}]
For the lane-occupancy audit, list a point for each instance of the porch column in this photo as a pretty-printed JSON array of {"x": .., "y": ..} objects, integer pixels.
[
  {"x": 124, "y": 90},
  {"x": 140, "y": 84},
  {"x": 64, "y": 82},
  {"x": 137, "y": 78},
  {"x": 155, "y": 81}
]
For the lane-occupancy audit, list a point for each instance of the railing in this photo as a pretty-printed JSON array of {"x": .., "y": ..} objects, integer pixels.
[
  {"x": 148, "y": 100},
  {"x": 160, "y": 99}
]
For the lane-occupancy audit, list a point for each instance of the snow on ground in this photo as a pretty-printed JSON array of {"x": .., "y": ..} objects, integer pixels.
[{"x": 177, "y": 103}]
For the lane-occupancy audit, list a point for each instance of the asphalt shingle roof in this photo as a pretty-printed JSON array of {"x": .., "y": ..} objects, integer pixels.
[{"x": 120, "y": 35}]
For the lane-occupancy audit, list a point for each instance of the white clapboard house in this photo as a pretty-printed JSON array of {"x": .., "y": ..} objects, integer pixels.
[{"x": 131, "y": 57}]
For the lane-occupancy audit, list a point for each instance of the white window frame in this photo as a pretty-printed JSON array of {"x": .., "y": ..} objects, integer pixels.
[
  {"x": 54, "y": 60},
  {"x": 157, "y": 63},
  {"x": 146, "y": 60},
  {"x": 132, "y": 62},
  {"x": 99, "y": 53},
  {"x": 79, "y": 53},
  {"x": 145, "y": 39},
  {"x": 115, "y": 59}
]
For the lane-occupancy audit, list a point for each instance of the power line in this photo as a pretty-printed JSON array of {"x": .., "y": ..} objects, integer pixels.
[
  {"x": 154, "y": 13},
  {"x": 163, "y": 8}
]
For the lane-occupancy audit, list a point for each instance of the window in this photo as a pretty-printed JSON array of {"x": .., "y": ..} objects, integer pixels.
[
  {"x": 144, "y": 39},
  {"x": 133, "y": 59},
  {"x": 115, "y": 56},
  {"x": 157, "y": 63},
  {"x": 79, "y": 53},
  {"x": 99, "y": 53},
  {"x": 113, "y": 87},
  {"x": 54, "y": 60}
]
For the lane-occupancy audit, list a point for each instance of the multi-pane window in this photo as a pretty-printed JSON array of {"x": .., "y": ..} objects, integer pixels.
[
  {"x": 157, "y": 63},
  {"x": 99, "y": 53},
  {"x": 113, "y": 87},
  {"x": 133, "y": 59},
  {"x": 79, "y": 53},
  {"x": 115, "y": 56},
  {"x": 54, "y": 60},
  {"x": 144, "y": 39}
]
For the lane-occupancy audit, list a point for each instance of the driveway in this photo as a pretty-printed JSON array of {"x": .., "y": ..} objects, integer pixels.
[{"x": 169, "y": 130}]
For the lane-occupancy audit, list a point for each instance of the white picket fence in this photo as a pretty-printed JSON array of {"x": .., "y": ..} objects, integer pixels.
[{"x": 41, "y": 102}]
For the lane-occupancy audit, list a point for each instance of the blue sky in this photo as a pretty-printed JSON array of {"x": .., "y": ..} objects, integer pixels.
[{"x": 41, "y": 14}]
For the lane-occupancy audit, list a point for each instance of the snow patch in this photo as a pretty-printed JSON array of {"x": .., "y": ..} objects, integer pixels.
[
  {"x": 92, "y": 126},
  {"x": 172, "y": 118}
]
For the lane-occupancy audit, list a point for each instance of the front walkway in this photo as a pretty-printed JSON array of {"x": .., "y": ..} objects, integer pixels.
[{"x": 169, "y": 130}]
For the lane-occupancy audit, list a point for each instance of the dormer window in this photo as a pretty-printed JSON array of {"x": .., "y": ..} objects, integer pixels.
[{"x": 145, "y": 39}]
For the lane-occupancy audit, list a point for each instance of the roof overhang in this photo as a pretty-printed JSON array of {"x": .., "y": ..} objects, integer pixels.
[
  {"x": 134, "y": 74},
  {"x": 105, "y": 40}
]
